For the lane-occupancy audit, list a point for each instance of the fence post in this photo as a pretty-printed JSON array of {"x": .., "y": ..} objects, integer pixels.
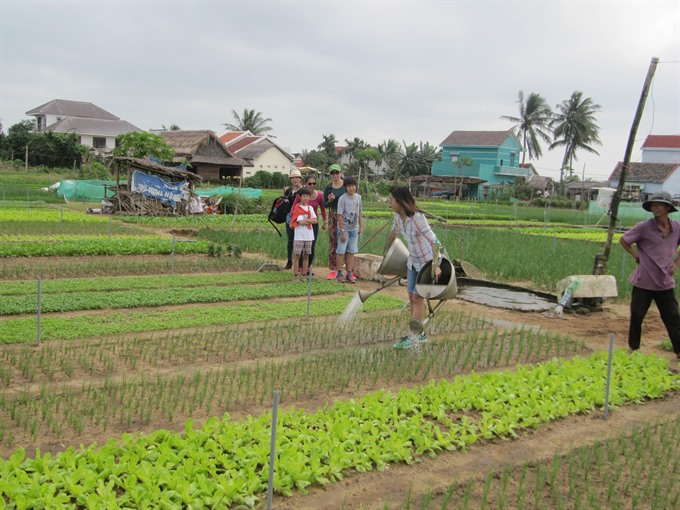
[
  {"x": 272, "y": 451},
  {"x": 39, "y": 307},
  {"x": 609, "y": 375}
]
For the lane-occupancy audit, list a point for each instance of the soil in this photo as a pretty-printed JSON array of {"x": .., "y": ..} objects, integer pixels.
[{"x": 373, "y": 490}]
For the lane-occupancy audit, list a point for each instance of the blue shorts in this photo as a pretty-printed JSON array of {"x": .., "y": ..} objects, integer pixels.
[
  {"x": 351, "y": 245},
  {"x": 411, "y": 279}
]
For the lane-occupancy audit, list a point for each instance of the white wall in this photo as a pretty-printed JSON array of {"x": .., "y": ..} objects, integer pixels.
[
  {"x": 660, "y": 155},
  {"x": 272, "y": 161}
]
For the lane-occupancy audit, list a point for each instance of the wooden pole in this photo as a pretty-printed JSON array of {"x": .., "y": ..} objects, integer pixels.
[{"x": 601, "y": 259}]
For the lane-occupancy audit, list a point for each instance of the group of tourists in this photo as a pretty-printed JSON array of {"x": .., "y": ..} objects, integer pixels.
[
  {"x": 340, "y": 208},
  {"x": 652, "y": 243}
]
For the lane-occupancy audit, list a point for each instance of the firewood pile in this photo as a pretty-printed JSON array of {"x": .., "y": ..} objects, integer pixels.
[{"x": 127, "y": 203}]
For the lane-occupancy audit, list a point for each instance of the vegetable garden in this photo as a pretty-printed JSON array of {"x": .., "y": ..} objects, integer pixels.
[{"x": 149, "y": 381}]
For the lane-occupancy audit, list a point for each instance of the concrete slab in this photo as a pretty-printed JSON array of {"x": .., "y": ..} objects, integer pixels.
[{"x": 591, "y": 286}]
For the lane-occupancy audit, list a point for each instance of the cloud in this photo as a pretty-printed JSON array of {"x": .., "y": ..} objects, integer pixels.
[{"x": 407, "y": 70}]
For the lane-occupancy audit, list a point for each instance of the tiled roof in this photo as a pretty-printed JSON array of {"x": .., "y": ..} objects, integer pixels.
[
  {"x": 231, "y": 135},
  {"x": 94, "y": 127},
  {"x": 662, "y": 142},
  {"x": 645, "y": 172},
  {"x": 477, "y": 138},
  {"x": 243, "y": 142},
  {"x": 67, "y": 108}
]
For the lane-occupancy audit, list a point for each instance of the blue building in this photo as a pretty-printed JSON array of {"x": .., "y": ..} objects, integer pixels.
[{"x": 483, "y": 160}]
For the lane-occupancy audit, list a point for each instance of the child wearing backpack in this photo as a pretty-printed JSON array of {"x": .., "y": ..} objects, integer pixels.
[
  {"x": 301, "y": 219},
  {"x": 295, "y": 185}
]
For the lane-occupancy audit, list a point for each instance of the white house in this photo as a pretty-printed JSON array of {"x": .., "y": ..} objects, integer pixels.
[
  {"x": 94, "y": 126},
  {"x": 261, "y": 151},
  {"x": 661, "y": 149}
]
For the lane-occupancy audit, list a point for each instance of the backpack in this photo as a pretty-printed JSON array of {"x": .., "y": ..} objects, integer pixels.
[{"x": 281, "y": 207}]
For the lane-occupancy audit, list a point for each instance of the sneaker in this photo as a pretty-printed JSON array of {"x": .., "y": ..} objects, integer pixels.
[
  {"x": 404, "y": 343},
  {"x": 351, "y": 278},
  {"x": 296, "y": 278},
  {"x": 332, "y": 275},
  {"x": 422, "y": 338},
  {"x": 340, "y": 278}
]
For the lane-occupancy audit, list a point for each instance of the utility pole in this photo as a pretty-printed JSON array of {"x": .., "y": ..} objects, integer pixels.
[{"x": 601, "y": 259}]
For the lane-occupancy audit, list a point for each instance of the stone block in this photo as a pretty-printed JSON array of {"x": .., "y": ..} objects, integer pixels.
[
  {"x": 366, "y": 267},
  {"x": 591, "y": 286}
]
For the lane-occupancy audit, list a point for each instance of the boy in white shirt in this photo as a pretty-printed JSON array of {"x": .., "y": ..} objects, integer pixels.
[{"x": 301, "y": 219}]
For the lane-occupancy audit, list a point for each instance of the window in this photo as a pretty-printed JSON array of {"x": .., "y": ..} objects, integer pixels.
[{"x": 98, "y": 142}]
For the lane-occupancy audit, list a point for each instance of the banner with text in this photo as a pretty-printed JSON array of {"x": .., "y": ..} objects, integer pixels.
[{"x": 154, "y": 186}]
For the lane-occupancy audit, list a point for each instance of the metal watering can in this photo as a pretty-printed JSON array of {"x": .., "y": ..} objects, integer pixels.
[{"x": 395, "y": 263}]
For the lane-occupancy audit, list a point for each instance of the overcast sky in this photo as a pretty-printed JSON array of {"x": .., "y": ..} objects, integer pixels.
[{"x": 408, "y": 70}]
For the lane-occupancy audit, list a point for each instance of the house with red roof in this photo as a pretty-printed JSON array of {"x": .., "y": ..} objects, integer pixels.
[
  {"x": 259, "y": 151},
  {"x": 661, "y": 149}
]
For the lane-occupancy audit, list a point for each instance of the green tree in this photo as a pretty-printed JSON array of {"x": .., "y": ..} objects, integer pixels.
[
  {"x": 18, "y": 136},
  {"x": 251, "y": 121},
  {"x": 390, "y": 154},
  {"x": 353, "y": 146},
  {"x": 140, "y": 144},
  {"x": 533, "y": 123},
  {"x": 327, "y": 146},
  {"x": 575, "y": 128},
  {"x": 53, "y": 149}
]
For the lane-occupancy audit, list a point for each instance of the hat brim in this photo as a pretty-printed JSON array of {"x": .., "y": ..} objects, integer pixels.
[{"x": 647, "y": 206}]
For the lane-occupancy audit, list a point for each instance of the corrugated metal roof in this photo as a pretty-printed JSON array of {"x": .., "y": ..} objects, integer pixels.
[{"x": 68, "y": 108}]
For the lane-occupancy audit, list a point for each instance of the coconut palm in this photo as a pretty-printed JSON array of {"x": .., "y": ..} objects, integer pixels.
[
  {"x": 390, "y": 154},
  {"x": 575, "y": 128},
  {"x": 250, "y": 121},
  {"x": 533, "y": 123}
]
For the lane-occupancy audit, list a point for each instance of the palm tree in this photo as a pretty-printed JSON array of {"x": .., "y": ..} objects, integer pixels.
[
  {"x": 327, "y": 146},
  {"x": 353, "y": 146},
  {"x": 250, "y": 121},
  {"x": 390, "y": 153},
  {"x": 575, "y": 128},
  {"x": 533, "y": 123},
  {"x": 172, "y": 127}
]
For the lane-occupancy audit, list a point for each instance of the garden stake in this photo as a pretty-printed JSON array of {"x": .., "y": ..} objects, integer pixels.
[
  {"x": 272, "y": 452},
  {"x": 609, "y": 375},
  {"x": 39, "y": 306}
]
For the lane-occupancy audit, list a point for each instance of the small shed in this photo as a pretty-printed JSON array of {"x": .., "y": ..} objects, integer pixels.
[
  {"x": 152, "y": 189},
  {"x": 206, "y": 155}
]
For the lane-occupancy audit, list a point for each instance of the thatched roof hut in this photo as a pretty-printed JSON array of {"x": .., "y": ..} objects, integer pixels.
[{"x": 205, "y": 153}]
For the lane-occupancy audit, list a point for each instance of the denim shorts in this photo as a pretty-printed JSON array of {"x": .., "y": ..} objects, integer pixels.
[
  {"x": 351, "y": 245},
  {"x": 411, "y": 279}
]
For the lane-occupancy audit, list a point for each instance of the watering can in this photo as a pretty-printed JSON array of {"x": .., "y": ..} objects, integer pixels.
[{"x": 395, "y": 262}]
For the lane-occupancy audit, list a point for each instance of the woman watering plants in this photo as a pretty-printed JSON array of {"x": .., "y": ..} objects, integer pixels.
[{"x": 422, "y": 244}]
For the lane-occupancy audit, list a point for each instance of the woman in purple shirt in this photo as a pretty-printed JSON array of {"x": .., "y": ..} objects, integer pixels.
[{"x": 656, "y": 240}]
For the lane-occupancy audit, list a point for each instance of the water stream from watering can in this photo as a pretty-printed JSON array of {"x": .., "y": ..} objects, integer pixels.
[{"x": 351, "y": 311}]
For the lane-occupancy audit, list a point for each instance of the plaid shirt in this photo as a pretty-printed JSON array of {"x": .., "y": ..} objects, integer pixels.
[{"x": 419, "y": 237}]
